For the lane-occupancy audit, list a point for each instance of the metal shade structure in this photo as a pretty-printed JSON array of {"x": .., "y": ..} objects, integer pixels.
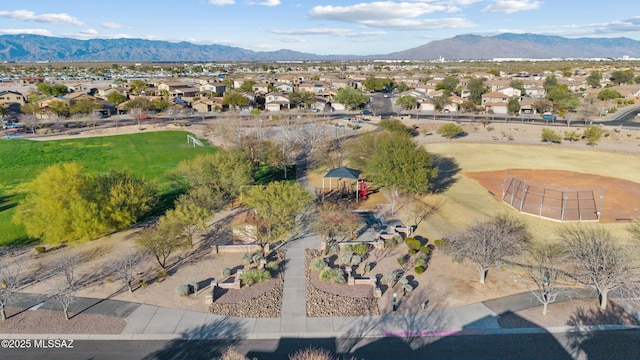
[{"x": 342, "y": 173}]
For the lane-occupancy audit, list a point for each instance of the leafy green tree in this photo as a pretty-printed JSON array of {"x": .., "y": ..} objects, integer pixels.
[
  {"x": 394, "y": 162},
  {"x": 123, "y": 199},
  {"x": 277, "y": 205},
  {"x": 562, "y": 98},
  {"x": 572, "y": 136},
  {"x": 440, "y": 102},
  {"x": 161, "y": 240},
  {"x": 594, "y": 79},
  {"x": 402, "y": 87},
  {"x": 84, "y": 106},
  {"x": 477, "y": 88},
  {"x": 247, "y": 86},
  {"x": 636, "y": 79},
  {"x": 223, "y": 174},
  {"x": 137, "y": 86},
  {"x": 377, "y": 84},
  {"x": 159, "y": 104},
  {"x": 350, "y": 97},
  {"x": 550, "y": 136},
  {"x": 608, "y": 94},
  {"x": 52, "y": 90},
  {"x": 115, "y": 97},
  {"x": 620, "y": 77},
  {"x": 138, "y": 103},
  {"x": 450, "y": 130},
  {"x": 59, "y": 107},
  {"x": 56, "y": 209},
  {"x": 517, "y": 84},
  {"x": 407, "y": 102},
  {"x": 550, "y": 82},
  {"x": 513, "y": 106},
  {"x": 394, "y": 125},
  {"x": 234, "y": 99},
  {"x": 542, "y": 105},
  {"x": 187, "y": 221},
  {"x": 302, "y": 98},
  {"x": 448, "y": 84}
]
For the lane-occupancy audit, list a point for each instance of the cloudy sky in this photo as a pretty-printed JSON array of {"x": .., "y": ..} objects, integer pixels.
[{"x": 320, "y": 27}]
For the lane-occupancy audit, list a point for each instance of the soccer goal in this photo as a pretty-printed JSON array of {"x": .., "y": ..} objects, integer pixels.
[{"x": 192, "y": 140}]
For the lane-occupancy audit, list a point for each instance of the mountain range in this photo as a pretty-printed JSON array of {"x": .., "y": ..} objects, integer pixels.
[{"x": 463, "y": 47}]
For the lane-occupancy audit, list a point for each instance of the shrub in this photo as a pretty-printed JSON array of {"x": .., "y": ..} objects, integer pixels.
[
  {"x": 225, "y": 272},
  {"x": 246, "y": 258},
  {"x": 345, "y": 258},
  {"x": 412, "y": 243},
  {"x": 272, "y": 266},
  {"x": 347, "y": 249},
  {"x": 110, "y": 279},
  {"x": 401, "y": 260},
  {"x": 361, "y": 249},
  {"x": 425, "y": 249},
  {"x": 404, "y": 281},
  {"x": 254, "y": 276},
  {"x": 419, "y": 269},
  {"x": 420, "y": 262},
  {"x": 233, "y": 354},
  {"x": 318, "y": 264},
  {"x": 439, "y": 243},
  {"x": 356, "y": 259},
  {"x": 311, "y": 354},
  {"x": 257, "y": 257},
  {"x": 334, "y": 275},
  {"x": 142, "y": 283},
  {"x": 413, "y": 251},
  {"x": 389, "y": 243},
  {"x": 183, "y": 290},
  {"x": 40, "y": 249},
  {"x": 407, "y": 288},
  {"x": 389, "y": 278},
  {"x": 333, "y": 249},
  {"x": 397, "y": 238},
  {"x": 368, "y": 267},
  {"x": 162, "y": 275}
]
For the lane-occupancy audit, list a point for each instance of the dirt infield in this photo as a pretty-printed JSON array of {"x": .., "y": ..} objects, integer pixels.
[{"x": 621, "y": 197}]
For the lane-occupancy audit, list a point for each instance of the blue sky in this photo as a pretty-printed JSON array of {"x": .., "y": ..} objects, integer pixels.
[{"x": 320, "y": 27}]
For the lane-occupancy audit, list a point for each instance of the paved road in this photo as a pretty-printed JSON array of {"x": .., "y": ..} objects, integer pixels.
[{"x": 611, "y": 345}]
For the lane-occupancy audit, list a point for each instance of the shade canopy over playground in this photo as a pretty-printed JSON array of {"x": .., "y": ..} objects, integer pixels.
[{"x": 342, "y": 173}]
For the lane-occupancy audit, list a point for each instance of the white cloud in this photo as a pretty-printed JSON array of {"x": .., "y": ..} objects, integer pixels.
[
  {"x": 27, "y": 15},
  {"x": 618, "y": 27},
  {"x": 222, "y": 2},
  {"x": 25, "y": 31},
  {"x": 292, "y": 40},
  {"x": 111, "y": 25},
  {"x": 329, "y": 31},
  {"x": 511, "y": 6},
  {"x": 91, "y": 32},
  {"x": 269, "y": 3},
  {"x": 389, "y": 14}
]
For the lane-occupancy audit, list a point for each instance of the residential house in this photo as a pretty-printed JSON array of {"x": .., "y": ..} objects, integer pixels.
[
  {"x": 314, "y": 87},
  {"x": 205, "y": 105},
  {"x": 11, "y": 97},
  {"x": 284, "y": 87},
  {"x": 261, "y": 88},
  {"x": 31, "y": 80},
  {"x": 218, "y": 88},
  {"x": 276, "y": 101},
  {"x": 496, "y": 102},
  {"x": 537, "y": 92},
  {"x": 629, "y": 92},
  {"x": 509, "y": 91}
]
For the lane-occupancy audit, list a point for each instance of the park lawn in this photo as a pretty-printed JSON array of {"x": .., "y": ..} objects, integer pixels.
[
  {"x": 146, "y": 155},
  {"x": 467, "y": 202}
]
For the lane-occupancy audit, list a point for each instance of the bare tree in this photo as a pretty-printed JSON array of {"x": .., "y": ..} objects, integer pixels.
[
  {"x": 64, "y": 288},
  {"x": 602, "y": 261},
  {"x": 11, "y": 279},
  {"x": 30, "y": 121},
  {"x": 544, "y": 273},
  {"x": 126, "y": 266},
  {"x": 487, "y": 243},
  {"x": 311, "y": 135},
  {"x": 229, "y": 129}
]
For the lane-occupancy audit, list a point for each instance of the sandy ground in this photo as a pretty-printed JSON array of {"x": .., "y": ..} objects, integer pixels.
[{"x": 444, "y": 284}]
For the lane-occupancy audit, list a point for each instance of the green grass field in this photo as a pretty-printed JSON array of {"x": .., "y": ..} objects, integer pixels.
[
  {"x": 147, "y": 155},
  {"x": 466, "y": 201}
]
